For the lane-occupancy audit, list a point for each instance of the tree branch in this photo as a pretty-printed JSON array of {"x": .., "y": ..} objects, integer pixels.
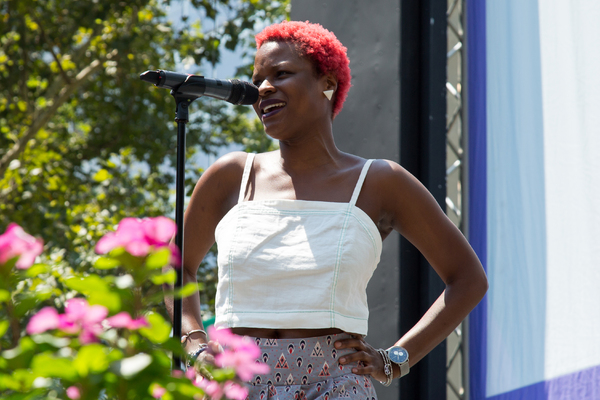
[
  {"x": 40, "y": 120},
  {"x": 50, "y": 46}
]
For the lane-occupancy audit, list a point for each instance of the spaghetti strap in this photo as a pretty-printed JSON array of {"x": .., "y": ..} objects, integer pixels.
[
  {"x": 245, "y": 176},
  {"x": 361, "y": 180}
]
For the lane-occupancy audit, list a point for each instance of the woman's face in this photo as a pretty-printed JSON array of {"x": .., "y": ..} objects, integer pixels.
[{"x": 291, "y": 96}]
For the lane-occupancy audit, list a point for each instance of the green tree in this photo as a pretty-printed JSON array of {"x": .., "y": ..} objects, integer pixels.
[{"x": 84, "y": 142}]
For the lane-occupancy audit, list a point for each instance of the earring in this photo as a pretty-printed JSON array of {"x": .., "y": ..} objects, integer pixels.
[{"x": 328, "y": 93}]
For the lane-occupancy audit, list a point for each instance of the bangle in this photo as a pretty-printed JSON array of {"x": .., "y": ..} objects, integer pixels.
[
  {"x": 186, "y": 336},
  {"x": 193, "y": 356},
  {"x": 387, "y": 368}
]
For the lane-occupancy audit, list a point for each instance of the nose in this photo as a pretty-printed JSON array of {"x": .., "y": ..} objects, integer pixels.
[{"x": 265, "y": 88}]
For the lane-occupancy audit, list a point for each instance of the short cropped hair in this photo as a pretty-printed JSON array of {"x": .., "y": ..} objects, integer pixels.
[{"x": 320, "y": 46}]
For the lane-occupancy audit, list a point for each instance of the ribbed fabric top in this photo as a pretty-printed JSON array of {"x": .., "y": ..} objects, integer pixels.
[{"x": 286, "y": 264}]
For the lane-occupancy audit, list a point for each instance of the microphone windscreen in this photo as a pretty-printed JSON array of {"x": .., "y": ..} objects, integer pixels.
[{"x": 243, "y": 93}]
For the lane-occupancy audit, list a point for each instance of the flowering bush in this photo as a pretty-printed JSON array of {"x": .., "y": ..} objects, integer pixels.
[{"x": 101, "y": 334}]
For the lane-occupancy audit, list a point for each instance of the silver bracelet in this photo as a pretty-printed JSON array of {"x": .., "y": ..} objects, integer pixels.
[
  {"x": 387, "y": 367},
  {"x": 186, "y": 336}
]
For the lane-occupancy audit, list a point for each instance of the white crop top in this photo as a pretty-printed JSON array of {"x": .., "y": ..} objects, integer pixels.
[{"x": 286, "y": 264}]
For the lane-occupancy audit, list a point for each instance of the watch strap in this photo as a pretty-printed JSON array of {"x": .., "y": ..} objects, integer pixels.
[{"x": 404, "y": 369}]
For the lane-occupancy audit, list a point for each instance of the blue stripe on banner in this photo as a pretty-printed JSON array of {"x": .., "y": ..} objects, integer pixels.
[
  {"x": 516, "y": 213},
  {"x": 582, "y": 385},
  {"x": 477, "y": 127}
]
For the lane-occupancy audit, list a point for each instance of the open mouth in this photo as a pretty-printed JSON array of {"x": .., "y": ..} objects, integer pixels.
[{"x": 271, "y": 109}]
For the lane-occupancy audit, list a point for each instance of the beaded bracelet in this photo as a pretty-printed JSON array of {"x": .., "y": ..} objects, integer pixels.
[
  {"x": 387, "y": 367},
  {"x": 193, "y": 356}
]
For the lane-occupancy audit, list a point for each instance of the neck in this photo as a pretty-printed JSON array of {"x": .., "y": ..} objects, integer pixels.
[{"x": 309, "y": 152}]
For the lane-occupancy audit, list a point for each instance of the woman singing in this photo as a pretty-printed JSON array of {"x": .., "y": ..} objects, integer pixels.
[{"x": 300, "y": 230}]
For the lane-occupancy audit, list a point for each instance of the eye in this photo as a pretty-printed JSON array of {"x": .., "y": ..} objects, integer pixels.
[
  {"x": 281, "y": 73},
  {"x": 257, "y": 83}
]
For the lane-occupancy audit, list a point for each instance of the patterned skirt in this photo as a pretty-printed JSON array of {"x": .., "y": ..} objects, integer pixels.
[{"x": 308, "y": 369}]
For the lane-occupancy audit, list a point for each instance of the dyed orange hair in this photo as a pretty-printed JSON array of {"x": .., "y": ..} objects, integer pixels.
[{"x": 320, "y": 46}]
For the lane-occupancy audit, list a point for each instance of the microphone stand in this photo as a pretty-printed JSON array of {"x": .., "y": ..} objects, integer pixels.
[{"x": 181, "y": 117}]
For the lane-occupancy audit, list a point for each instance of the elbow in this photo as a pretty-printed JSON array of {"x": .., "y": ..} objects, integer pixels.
[
  {"x": 480, "y": 284},
  {"x": 472, "y": 283}
]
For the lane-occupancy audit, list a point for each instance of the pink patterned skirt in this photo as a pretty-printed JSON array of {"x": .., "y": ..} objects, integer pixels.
[{"x": 308, "y": 369}]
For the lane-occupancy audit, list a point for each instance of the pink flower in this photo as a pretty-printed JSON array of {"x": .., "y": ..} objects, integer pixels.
[
  {"x": 239, "y": 353},
  {"x": 190, "y": 373},
  {"x": 15, "y": 242},
  {"x": 124, "y": 320},
  {"x": 158, "y": 391},
  {"x": 243, "y": 360},
  {"x": 73, "y": 393},
  {"x": 225, "y": 337},
  {"x": 211, "y": 388},
  {"x": 79, "y": 317},
  {"x": 47, "y": 318},
  {"x": 234, "y": 391},
  {"x": 177, "y": 373},
  {"x": 140, "y": 236}
]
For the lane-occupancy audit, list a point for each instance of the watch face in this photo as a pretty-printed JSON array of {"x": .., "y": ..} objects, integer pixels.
[{"x": 398, "y": 355}]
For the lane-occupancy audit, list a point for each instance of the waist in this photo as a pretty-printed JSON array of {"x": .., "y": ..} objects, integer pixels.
[
  {"x": 303, "y": 361},
  {"x": 285, "y": 333}
]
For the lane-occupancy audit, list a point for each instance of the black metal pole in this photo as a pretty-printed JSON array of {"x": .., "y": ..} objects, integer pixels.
[{"x": 181, "y": 117}]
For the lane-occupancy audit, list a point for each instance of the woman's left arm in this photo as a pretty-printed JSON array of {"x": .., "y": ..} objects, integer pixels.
[{"x": 408, "y": 207}]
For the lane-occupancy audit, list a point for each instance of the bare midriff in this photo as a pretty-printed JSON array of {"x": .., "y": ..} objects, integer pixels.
[{"x": 285, "y": 333}]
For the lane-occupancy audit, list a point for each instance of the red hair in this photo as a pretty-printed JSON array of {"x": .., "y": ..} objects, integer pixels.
[{"x": 320, "y": 46}]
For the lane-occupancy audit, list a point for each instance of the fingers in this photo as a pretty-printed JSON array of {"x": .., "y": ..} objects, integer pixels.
[
  {"x": 357, "y": 343},
  {"x": 208, "y": 356},
  {"x": 368, "y": 360},
  {"x": 363, "y": 369}
]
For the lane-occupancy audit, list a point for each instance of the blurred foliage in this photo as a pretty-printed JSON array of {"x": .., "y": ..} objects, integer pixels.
[
  {"x": 84, "y": 142},
  {"x": 121, "y": 362}
]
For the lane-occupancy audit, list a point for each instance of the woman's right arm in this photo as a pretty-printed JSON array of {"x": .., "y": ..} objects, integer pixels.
[{"x": 214, "y": 195}]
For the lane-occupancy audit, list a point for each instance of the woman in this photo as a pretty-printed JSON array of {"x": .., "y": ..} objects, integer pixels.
[{"x": 299, "y": 232}]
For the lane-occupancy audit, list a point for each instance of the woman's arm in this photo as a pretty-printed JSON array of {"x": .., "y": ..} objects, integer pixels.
[
  {"x": 418, "y": 217},
  {"x": 214, "y": 195},
  {"x": 408, "y": 207}
]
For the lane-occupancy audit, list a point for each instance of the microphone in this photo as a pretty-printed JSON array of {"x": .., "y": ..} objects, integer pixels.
[{"x": 232, "y": 90}]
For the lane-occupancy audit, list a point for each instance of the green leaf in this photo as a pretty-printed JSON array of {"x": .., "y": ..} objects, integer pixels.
[
  {"x": 46, "y": 365},
  {"x": 102, "y": 175},
  {"x": 4, "y": 325},
  {"x": 88, "y": 284},
  {"x": 37, "y": 269},
  {"x": 159, "y": 329},
  {"x": 52, "y": 340},
  {"x": 110, "y": 300},
  {"x": 29, "y": 301},
  {"x": 168, "y": 277},
  {"x": 188, "y": 290},
  {"x": 4, "y": 296},
  {"x": 91, "y": 359},
  {"x": 222, "y": 375},
  {"x": 19, "y": 380},
  {"x": 158, "y": 258},
  {"x": 106, "y": 263},
  {"x": 25, "y": 345}
]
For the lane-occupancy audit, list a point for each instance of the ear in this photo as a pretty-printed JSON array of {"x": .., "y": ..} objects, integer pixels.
[{"x": 330, "y": 82}]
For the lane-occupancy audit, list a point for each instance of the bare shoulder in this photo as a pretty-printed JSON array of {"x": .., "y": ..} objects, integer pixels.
[
  {"x": 217, "y": 189},
  {"x": 230, "y": 163},
  {"x": 403, "y": 201},
  {"x": 391, "y": 175}
]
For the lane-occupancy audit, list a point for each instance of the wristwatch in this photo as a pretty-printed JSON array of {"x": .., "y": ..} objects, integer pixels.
[{"x": 399, "y": 356}]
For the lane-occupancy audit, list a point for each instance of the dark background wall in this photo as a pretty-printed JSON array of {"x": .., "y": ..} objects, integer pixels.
[{"x": 395, "y": 110}]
